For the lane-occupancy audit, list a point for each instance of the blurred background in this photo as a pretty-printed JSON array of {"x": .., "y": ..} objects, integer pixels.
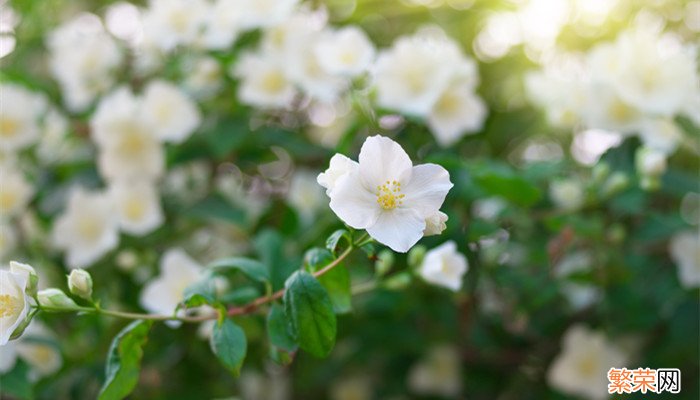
[{"x": 576, "y": 198}]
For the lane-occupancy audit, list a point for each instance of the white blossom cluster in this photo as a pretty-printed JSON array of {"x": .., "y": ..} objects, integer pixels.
[{"x": 634, "y": 85}]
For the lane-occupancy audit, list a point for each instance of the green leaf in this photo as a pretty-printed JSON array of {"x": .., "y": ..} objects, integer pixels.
[
  {"x": 16, "y": 382},
  {"x": 310, "y": 311},
  {"x": 336, "y": 281},
  {"x": 217, "y": 208},
  {"x": 124, "y": 361},
  {"x": 334, "y": 240},
  {"x": 228, "y": 343},
  {"x": 269, "y": 245},
  {"x": 253, "y": 269},
  {"x": 278, "y": 329},
  {"x": 200, "y": 293}
]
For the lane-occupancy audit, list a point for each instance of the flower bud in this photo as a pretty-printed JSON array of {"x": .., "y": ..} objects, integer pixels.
[
  {"x": 55, "y": 298},
  {"x": 435, "y": 224},
  {"x": 617, "y": 182},
  {"x": 80, "y": 283},
  {"x": 29, "y": 272},
  {"x": 385, "y": 260},
  {"x": 415, "y": 256}
]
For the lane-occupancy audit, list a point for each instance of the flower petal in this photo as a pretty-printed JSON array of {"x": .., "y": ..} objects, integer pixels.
[
  {"x": 383, "y": 159},
  {"x": 354, "y": 203},
  {"x": 399, "y": 229},
  {"x": 426, "y": 190}
]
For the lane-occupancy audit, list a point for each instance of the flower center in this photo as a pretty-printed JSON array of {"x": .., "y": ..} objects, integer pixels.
[
  {"x": 389, "y": 195},
  {"x": 134, "y": 209},
  {"x": 273, "y": 82},
  {"x": 8, "y": 127},
  {"x": 9, "y": 305}
]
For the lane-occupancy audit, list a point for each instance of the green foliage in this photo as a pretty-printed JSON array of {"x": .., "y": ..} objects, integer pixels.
[
  {"x": 124, "y": 361},
  {"x": 228, "y": 342},
  {"x": 310, "y": 312}
]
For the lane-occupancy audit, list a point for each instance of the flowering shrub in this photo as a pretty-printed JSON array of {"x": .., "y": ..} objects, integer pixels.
[{"x": 276, "y": 199}]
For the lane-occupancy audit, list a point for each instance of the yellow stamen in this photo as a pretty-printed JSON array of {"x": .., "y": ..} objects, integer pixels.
[
  {"x": 389, "y": 195},
  {"x": 9, "y": 305}
]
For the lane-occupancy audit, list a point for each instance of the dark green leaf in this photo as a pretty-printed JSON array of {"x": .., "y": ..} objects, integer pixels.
[
  {"x": 228, "y": 342},
  {"x": 253, "y": 269},
  {"x": 310, "y": 311},
  {"x": 336, "y": 281},
  {"x": 334, "y": 240},
  {"x": 513, "y": 188},
  {"x": 278, "y": 329},
  {"x": 124, "y": 361}
]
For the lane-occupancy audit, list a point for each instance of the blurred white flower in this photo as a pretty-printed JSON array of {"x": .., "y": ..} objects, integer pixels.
[
  {"x": 656, "y": 73},
  {"x": 82, "y": 57},
  {"x": 35, "y": 347},
  {"x": 221, "y": 25},
  {"x": 580, "y": 295},
  {"x": 388, "y": 196},
  {"x": 55, "y": 147},
  {"x": 650, "y": 162},
  {"x": 457, "y": 112},
  {"x": 137, "y": 205},
  {"x": 444, "y": 266},
  {"x": 38, "y": 349},
  {"x": 163, "y": 293},
  {"x": 560, "y": 90},
  {"x": 582, "y": 366},
  {"x": 605, "y": 109},
  {"x": 205, "y": 77},
  {"x": 567, "y": 194},
  {"x": 264, "y": 82},
  {"x": 685, "y": 252},
  {"x": 170, "y": 23},
  {"x": 438, "y": 374},
  {"x": 414, "y": 72},
  {"x": 435, "y": 224},
  {"x": 19, "y": 117},
  {"x": 661, "y": 134},
  {"x": 8, "y": 240},
  {"x": 339, "y": 166},
  {"x": 351, "y": 388},
  {"x": 347, "y": 51},
  {"x": 87, "y": 229},
  {"x": 305, "y": 195},
  {"x": 14, "y": 302},
  {"x": 129, "y": 148},
  {"x": 170, "y": 114},
  {"x": 15, "y": 191},
  {"x": 263, "y": 13}
]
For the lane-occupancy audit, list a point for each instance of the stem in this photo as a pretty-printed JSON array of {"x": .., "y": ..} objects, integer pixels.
[{"x": 240, "y": 310}]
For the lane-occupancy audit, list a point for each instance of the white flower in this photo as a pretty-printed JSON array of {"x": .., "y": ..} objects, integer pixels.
[
  {"x": 685, "y": 252},
  {"x": 656, "y": 73},
  {"x": 38, "y": 349},
  {"x": 346, "y": 51},
  {"x": 605, "y": 109},
  {"x": 169, "y": 23},
  {"x": 580, "y": 295},
  {"x": 438, "y": 374},
  {"x": 43, "y": 358},
  {"x": 87, "y": 229},
  {"x": 305, "y": 195},
  {"x": 263, "y": 81},
  {"x": 177, "y": 271},
  {"x": 582, "y": 366},
  {"x": 388, "y": 196},
  {"x": 457, "y": 112},
  {"x": 138, "y": 206},
  {"x": 661, "y": 134},
  {"x": 339, "y": 166},
  {"x": 129, "y": 149},
  {"x": 170, "y": 113},
  {"x": 435, "y": 224},
  {"x": 205, "y": 77},
  {"x": 8, "y": 240},
  {"x": 444, "y": 266},
  {"x": 19, "y": 117},
  {"x": 560, "y": 91},
  {"x": 14, "y": 302},
  {"x": 263, "y": 13},
  {"x": 82, "y": 57},
  {"x": 567, "y": 194},
  {"x": 221, "y": 25},
  {"x": 650, "y": 162},
  {"x": 15, "y": 191},
  {"x": 411, "y": 76}
]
